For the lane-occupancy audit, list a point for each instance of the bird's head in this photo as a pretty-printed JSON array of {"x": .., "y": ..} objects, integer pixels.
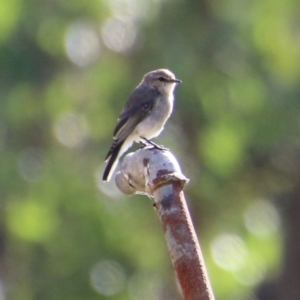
[{"x": 162, "y": 79}]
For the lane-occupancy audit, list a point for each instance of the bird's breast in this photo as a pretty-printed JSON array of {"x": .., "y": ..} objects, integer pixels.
[{"x": 154, "y": 123}]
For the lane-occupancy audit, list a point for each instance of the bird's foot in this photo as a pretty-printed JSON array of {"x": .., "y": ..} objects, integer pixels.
[{"x": 147, "y": 142}]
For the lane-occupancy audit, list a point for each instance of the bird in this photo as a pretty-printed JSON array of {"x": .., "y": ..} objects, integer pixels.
[{"x": 144, "y": 115}]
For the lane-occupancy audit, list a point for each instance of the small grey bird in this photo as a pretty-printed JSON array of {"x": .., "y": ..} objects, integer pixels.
[{"x": 144, "y": 115}]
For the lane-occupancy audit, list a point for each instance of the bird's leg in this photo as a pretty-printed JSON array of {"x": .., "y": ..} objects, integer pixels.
[
  {"x": 143, "y": 142},
  {"x": 147, "y": 142}
]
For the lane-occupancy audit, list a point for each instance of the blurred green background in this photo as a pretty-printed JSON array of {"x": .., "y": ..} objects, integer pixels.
[{"x": 66, "y": 70}]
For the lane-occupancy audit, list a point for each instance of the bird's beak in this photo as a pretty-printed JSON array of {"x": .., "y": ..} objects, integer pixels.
[{"x": 177, "y": 80}]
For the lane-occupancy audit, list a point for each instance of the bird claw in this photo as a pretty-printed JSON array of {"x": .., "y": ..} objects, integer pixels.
[{"x": 147, "y": 142}]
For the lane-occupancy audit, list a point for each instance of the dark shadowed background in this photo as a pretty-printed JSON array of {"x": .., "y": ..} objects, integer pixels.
[{"x": 66, "y": 70}]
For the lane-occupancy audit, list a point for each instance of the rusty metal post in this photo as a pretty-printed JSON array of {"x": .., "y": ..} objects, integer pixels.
[
  {"x": 158, "y": 174},
  {"x": 182, "y": 242}
]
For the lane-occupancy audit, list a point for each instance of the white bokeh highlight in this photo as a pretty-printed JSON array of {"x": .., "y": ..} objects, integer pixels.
[
  {"x": 229, "y": 251},
  {"x": 82, "y": 44},
  {"x": 252, "y": 273},
  {"x": 146, "y": 286},
  {"x": 71, "y": 130},
  {"x": 262, "y": 218},
  {"x": 119, "y": 35},
  {"x": 134, "y": 9},
  {"x": 107, "y": 277}
]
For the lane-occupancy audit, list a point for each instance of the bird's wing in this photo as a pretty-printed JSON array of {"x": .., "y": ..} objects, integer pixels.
[{"x": 138, "y": 107}]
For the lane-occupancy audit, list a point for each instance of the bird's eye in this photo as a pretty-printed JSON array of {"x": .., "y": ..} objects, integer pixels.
[{"x": 161, "y": 79}]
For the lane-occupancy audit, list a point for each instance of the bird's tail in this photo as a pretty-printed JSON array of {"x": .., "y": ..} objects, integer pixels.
[{"x": 112, "y": 158}]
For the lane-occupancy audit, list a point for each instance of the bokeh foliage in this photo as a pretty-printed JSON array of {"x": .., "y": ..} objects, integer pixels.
[{"x": 67, "y": 67}]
